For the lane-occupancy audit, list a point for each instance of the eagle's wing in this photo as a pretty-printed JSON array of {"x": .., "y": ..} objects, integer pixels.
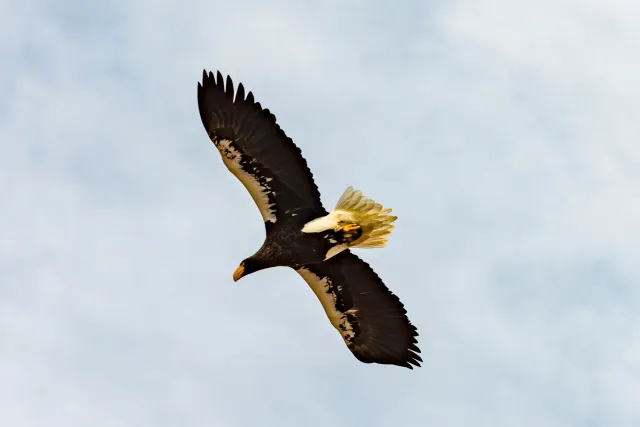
[
  {"x": 257, "y": 151},
  {"x": 370, "y": 318}
]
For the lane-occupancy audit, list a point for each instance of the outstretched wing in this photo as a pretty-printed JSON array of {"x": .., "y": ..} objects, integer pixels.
[
  {"x": 257, "y": 151},
  {"x": 370, "y": 318}
]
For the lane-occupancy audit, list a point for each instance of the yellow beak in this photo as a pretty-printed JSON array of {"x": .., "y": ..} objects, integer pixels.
[{"x": 238, "y": 273}]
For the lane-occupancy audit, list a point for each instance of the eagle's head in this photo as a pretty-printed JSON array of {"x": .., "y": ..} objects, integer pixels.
[{"x": 248, "y": 266}]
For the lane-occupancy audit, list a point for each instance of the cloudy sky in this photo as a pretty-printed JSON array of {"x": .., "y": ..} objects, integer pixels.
[{"x": 504, "y": 134}]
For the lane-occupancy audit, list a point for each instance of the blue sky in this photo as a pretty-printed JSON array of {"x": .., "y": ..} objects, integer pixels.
[{"x": 503, "y": 134}]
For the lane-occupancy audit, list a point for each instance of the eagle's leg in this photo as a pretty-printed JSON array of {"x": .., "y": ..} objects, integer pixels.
[
  {"x": 343, "y": 236},
  {"x": 351, "y": 228},
  {"x": 348, "y": 233}
]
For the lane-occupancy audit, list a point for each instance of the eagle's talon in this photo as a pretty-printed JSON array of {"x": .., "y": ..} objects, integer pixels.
[{"x": 350, "y": 228}]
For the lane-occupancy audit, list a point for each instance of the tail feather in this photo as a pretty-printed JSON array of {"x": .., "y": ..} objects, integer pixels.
[{"x": 355, "y": 208}]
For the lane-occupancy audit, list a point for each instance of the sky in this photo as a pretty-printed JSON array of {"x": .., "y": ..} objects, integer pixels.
[{"x": 504, "y": 135}]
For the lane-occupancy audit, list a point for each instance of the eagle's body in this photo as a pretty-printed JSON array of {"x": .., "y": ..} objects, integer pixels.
[
  {"x": 301, "y": 234},
  {"x": 288, "y": 246}
]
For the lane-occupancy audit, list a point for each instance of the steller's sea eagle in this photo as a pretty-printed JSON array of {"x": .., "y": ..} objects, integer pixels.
[{"x": 301, "y": 234}]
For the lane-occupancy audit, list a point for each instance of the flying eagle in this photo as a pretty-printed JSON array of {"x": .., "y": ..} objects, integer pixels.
[{"x": 301, "y": 234}]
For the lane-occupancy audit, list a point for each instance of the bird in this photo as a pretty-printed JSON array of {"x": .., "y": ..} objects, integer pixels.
[{"x": 301, "y": 234}]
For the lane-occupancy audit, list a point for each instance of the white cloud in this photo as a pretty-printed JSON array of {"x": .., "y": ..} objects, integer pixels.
[{"x": 503, "y": 134}]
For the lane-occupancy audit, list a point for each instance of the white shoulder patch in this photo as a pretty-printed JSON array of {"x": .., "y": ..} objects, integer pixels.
[
  {"x": 335, "y": 250},
  {"x": 325, "y": 291},
  {"x": 232, "y": 158}
]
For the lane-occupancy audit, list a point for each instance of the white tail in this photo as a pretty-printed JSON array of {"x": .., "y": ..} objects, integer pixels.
[{"x": 354, "y": 208}]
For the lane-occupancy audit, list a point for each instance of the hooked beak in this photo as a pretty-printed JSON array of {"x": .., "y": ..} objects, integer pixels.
[{"x": 237, "y": 275}]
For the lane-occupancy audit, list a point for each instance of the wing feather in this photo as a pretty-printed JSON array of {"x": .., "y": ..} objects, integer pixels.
[
  {"x": 370, "y": 318},
  {"x": 257, "y": 151}
]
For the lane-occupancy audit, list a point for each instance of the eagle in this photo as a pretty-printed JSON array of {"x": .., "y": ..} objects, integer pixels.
[{"x": 301, "y": 234}]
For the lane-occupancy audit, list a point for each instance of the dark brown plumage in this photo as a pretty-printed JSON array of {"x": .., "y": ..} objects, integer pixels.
[{"x": 371, "y": 319}]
